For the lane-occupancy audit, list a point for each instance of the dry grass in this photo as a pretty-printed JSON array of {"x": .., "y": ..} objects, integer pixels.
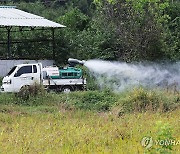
[
  {"x": 33, "y": 130},
  {"x": 89, "y": 122}
]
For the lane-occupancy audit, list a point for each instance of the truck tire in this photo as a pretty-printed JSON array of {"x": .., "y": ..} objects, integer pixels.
[
  {"x": 66, "y": 89},
  {"x": 24, "y": 92}
]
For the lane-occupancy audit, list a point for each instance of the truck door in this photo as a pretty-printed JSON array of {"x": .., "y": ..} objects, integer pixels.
[
  {"x": 23, "y": 76},
  {"x": 36, "y": 73}
]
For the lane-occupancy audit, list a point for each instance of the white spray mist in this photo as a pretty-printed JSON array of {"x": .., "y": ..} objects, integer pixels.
[{"x": 120, "y": 75}]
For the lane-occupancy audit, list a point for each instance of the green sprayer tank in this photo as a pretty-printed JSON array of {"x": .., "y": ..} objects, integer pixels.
[{"x": 69, "y": 73}]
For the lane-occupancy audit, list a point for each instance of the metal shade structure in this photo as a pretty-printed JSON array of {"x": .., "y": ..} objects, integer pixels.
[{"x": 10, "y": 17}]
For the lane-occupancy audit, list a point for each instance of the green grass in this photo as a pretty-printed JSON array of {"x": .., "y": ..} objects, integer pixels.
[
  {"x": 88, "y": 122},
  {"x": 137, "y": 100}
]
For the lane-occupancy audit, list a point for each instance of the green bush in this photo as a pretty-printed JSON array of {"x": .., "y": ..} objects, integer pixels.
[
  {"x": 93, "y": 100},
  {"x": 137, "y": 100},
  {"x": 31, "y": 91},
  {"x": 164, "y": 132},
  {"x": 92, "y": 83},
  {"x": 141, "y": 100}
]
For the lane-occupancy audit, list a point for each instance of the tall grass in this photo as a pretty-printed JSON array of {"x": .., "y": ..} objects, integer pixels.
[
  {"x": 88, "y": 122},
  {"x": 141, "y": 100},
  {"x": 137, "y": 100},
  {"x": 79, "y": 131}
]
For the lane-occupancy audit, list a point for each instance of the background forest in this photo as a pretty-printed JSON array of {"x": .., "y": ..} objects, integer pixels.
[{"x": 126, "y": 30}]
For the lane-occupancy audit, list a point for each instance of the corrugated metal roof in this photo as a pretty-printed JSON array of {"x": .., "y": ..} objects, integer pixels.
[{"x": 10, "y": 16}]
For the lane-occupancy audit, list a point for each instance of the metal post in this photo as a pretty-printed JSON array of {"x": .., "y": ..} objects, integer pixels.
[
  {"x": 53, "y": 43},
  {"x": 9, "y": 41}
]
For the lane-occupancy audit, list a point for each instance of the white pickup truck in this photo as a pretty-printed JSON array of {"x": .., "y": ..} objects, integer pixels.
[{"x": 51, "y": 77}]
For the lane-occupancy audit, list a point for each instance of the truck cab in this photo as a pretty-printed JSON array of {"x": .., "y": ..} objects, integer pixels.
[{"x": 20, "y": 76}]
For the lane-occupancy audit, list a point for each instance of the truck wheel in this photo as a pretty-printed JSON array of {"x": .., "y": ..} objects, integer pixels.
[
  {"x": 66, "y": 89},
  {"x": 24, "y": 92}
]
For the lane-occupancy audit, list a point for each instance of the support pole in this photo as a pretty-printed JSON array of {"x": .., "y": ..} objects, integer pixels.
[
  {"x": 8, "y": 42},
  {"x": 53, "y": 43}
]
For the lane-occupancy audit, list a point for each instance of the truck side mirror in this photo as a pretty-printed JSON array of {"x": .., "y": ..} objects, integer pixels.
[{"x": 15, "y": 75}]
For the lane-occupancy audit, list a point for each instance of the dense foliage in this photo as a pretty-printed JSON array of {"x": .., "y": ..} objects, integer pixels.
[
  {"x": 137, "y": 100},
  {"x": 128, "y": 30}
]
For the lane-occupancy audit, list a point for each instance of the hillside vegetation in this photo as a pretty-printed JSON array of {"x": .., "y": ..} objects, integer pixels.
[{"x": 127, "y": 30}]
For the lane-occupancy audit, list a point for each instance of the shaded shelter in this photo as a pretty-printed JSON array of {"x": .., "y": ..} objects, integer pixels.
[{"x": 11, "y": 17}]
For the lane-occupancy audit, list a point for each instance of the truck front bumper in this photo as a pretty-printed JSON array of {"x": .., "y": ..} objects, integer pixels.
[
  {"x": 5, "y": 88},
  {"x": 1, "y": 89}
]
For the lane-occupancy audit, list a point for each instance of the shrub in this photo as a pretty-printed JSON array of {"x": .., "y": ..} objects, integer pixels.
[
  {"x": 31, "y": 91},
  {"x": 163, "y": 140},
  {"x": 141, "y": 100},
  {"x": 164, "y": 132},
  {"x": 137, "y": 100},
  {"x": 93, "y": 100}
]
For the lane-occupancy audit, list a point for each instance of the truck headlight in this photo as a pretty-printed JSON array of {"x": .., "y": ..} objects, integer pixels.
[{"x": 7, "y": 82}]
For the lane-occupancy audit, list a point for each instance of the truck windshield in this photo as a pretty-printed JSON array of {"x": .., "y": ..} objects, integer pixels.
[{"x": 11, "y": 71}]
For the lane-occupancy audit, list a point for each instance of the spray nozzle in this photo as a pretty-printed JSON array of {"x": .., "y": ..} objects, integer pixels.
[{"x": 72, "y": 62}]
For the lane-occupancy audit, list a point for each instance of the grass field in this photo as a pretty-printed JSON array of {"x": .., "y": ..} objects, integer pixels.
[{"x": 61, "y": 123}]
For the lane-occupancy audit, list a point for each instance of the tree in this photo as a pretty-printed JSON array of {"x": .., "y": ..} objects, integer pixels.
[
  {"x": 138, "y": 26},
  {"x": 173, "y": 31}
]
